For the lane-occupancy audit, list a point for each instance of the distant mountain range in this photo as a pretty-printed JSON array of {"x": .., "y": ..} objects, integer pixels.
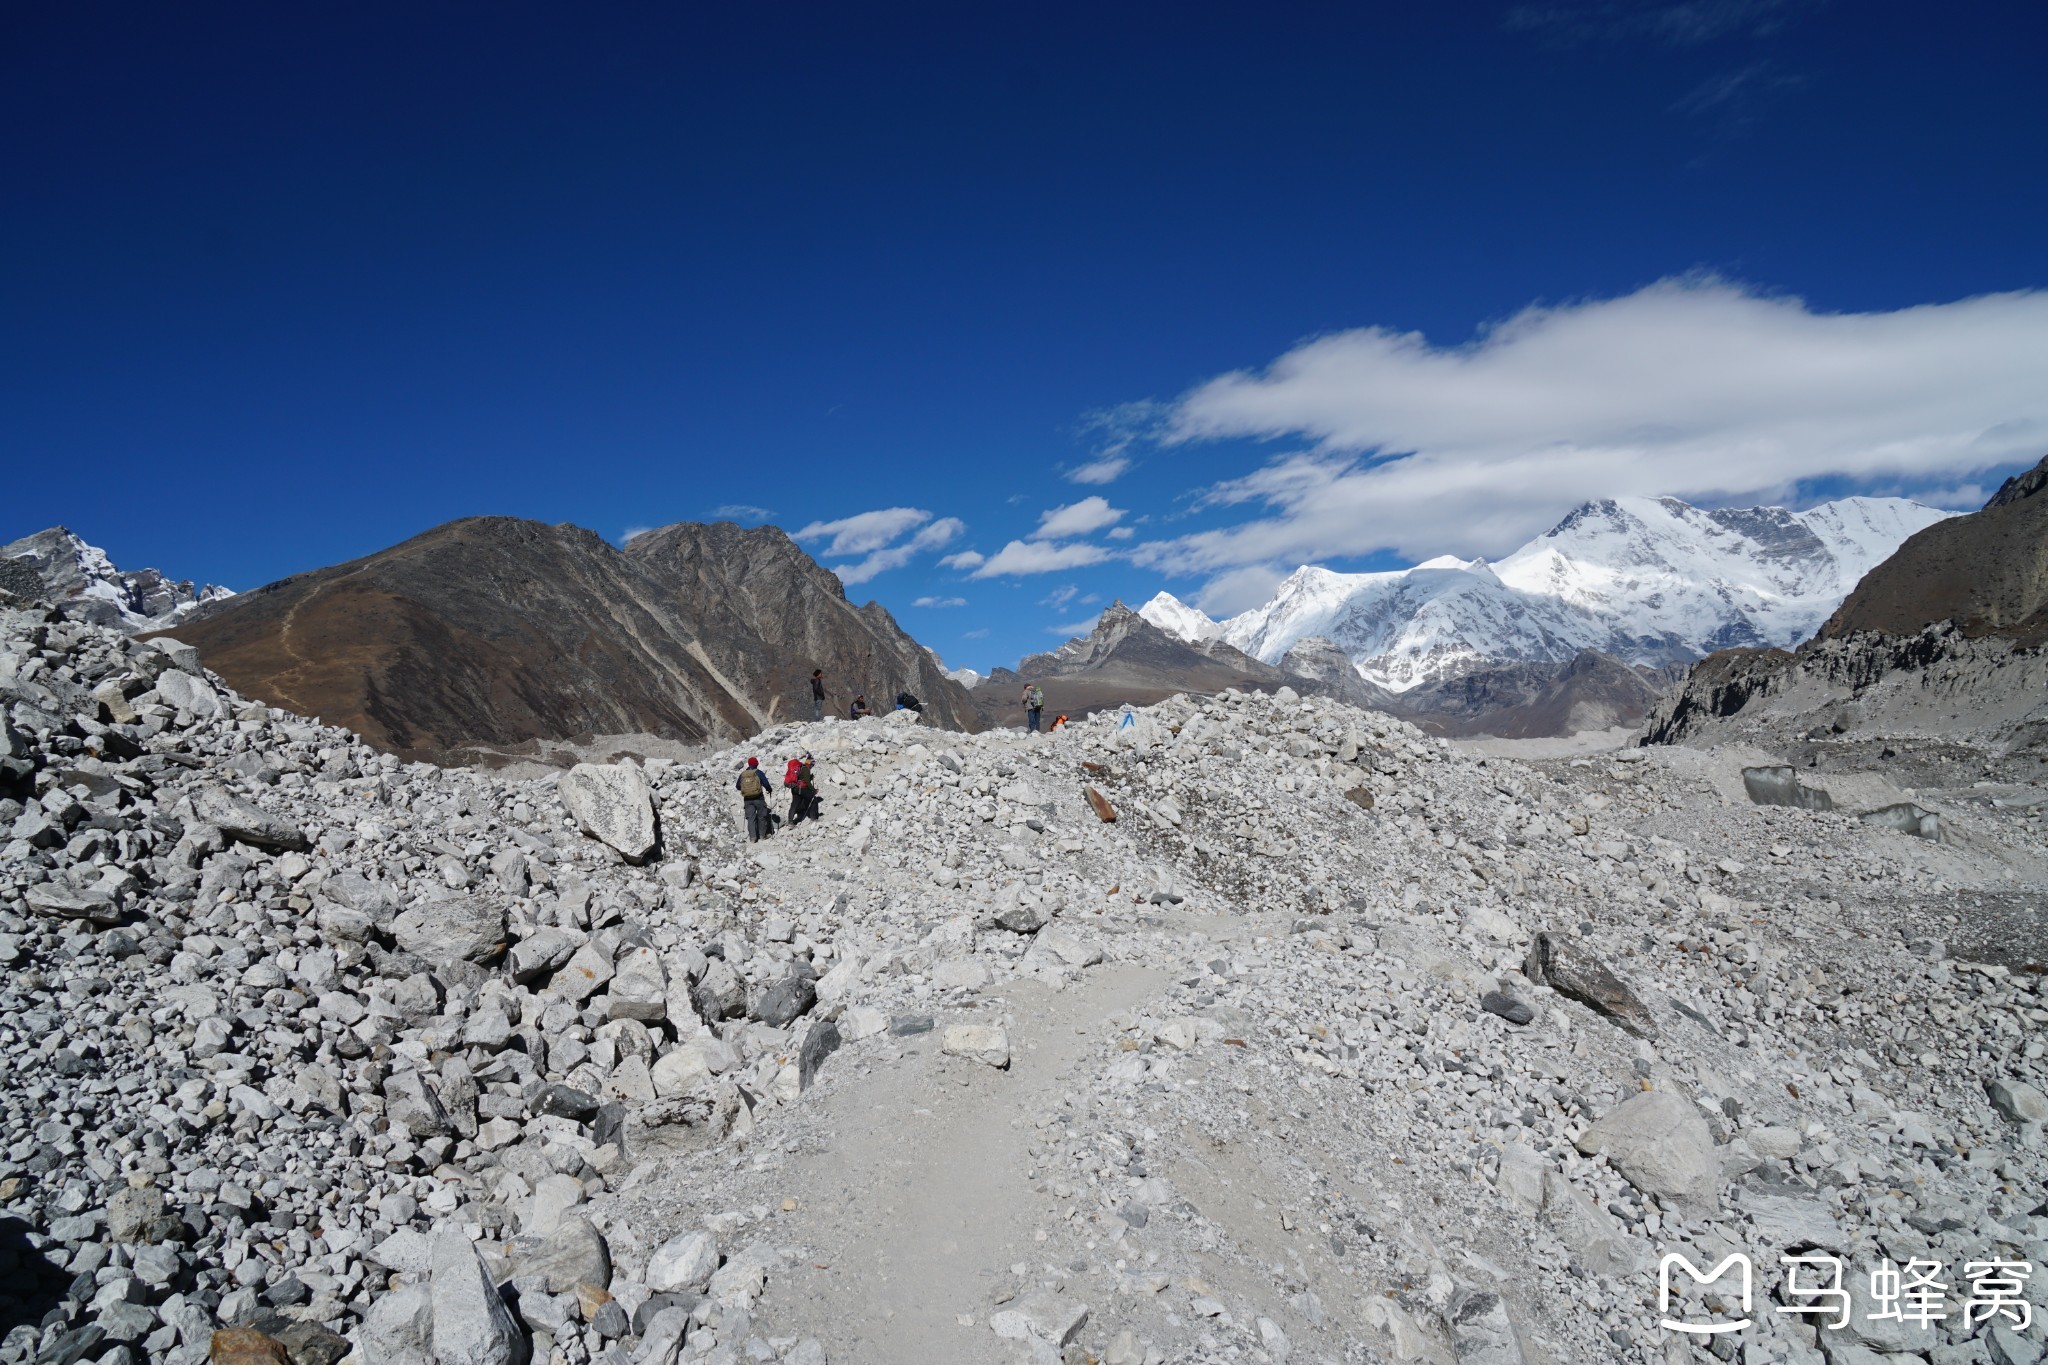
[
  {"x": 1948, "y": 637},
  {"x": 1647, "y": 581},
  {"x": 482, "y": 634},
  {"x": 68, "y": 570}
]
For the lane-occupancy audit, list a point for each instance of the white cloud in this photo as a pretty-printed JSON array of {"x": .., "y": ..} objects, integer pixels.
[
  {"x": 1106, "y": 470},
  {"x": 865, "y": 531},
  {"x": 1059, "y": 597},
  {"x": 1121, "y": 532},
  {"x": 1081, "y": 518},
  {"x": 1036, "y": 556},
  {"x": 1697, "y": 388},
  {"x": 633, "y": 532},
  {"x": 896, "y": 556},
  {"x": 742, "y": 511},
  {"x": 940, "y": 602},
  {"x": 1074, "y": 628},
  {"x": 965, "y": 559},
  {"x": 1238, "y": 590},
  {"x": 980, "y": 633}
]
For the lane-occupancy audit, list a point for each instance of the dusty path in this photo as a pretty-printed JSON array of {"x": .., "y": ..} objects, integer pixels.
[{"x": 921, "y": 1205}]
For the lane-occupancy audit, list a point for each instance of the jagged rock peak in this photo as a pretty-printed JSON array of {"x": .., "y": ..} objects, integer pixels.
[{"x": 80, "y": 576}]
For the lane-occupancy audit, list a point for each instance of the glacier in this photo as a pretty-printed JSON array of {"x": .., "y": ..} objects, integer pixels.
[{"x": 1649, "y": 580}]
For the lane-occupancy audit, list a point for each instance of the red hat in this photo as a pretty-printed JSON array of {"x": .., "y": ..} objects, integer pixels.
[{"x": 753, "y": 763}]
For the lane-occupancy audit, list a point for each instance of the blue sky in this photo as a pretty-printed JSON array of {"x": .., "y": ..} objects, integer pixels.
[{"x": 1348, "y": 283}]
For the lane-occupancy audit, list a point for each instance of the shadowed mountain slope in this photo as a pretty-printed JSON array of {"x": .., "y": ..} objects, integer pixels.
[
  {"x": 1987, "y": 572},
  {"x": 486, "y": 632}
]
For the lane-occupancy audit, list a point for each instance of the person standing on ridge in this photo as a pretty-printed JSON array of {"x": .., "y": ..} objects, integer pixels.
[
  {"x": 1034, "y": 705},
  {"x": 817, "y": 694},
  {"x": 754, "y": 787}
]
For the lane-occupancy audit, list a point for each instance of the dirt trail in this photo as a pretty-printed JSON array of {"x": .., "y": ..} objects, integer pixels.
[{"x": 922, "y": 1205}]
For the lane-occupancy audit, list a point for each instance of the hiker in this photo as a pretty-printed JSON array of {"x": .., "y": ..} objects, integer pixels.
[
  {"x": 905, "y": 701},
  {"x": 817, "y": 694},
  {"x": 803, "y": 793},
  {"x": 858, "y": 709},
  {"x": 1034, "y": 705},
  {"x": 1059, "y": 722},
  {"x": 754, "y": 788}
]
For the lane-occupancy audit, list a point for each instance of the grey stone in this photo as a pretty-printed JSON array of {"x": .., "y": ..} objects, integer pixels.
[
  {"x": 783, "y": 1003},
  {"x": 1020, "y": 918},
  {"x": 639, "y": 987},
  {"x": 458, "y": 929},
  {"x": 399, "y": 1328},
  {"x": 246, "y": 821},
  {"x": 58, "y": 901},
  {"x": 541, "y": 952},
  {"x": 188, "y": 692},
  {"x": 1507, "y": 1007},
  {"x": 612, "y": 802},
  {"x": 472, "y": 1325},
  {"x": 983, "y": 1043},
  {"x": 2018, "y": 1101},
  {"x": 410, "y": 1103},
  {"x": 819, "y": 1043},
  {"x": 1661, "y": 1143},
  {"x": 1572, "y": 971},
  {"x": 135, "y": 1214},
  {"x": 686, "y": 1261},
  {"x": 575, "y": 1253}
]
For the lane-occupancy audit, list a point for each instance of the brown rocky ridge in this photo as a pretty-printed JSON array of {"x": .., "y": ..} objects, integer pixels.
[{"x": 488, "y": 633}]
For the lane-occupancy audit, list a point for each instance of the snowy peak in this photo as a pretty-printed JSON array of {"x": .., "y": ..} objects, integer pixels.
[
  {"x": 1176, "y": 617},
  {"x": 84, "y": 579},
  {"x": 1648, "y": 580}
]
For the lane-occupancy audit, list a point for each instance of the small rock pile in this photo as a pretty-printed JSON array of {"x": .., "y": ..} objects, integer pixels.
[{"x": 321, "y": 1054}]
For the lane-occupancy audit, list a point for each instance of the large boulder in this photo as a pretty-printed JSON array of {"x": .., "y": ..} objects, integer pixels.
[
  {"x": 457, "y": 929},
  {"x": 188, "y": 693},
  {"x": 612, "y": 802},
  {"x": 639, "y": 987},
  {"x": 1570, "y": 970},
  {"x": 472, "y": 1325},
  {"x": 574, "y": 1254},
  {"x": 247, "y": 821},
  {"x": 1659, "y": 1141}
]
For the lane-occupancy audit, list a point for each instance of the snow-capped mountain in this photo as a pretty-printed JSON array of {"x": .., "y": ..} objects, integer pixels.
[
  {"x": 1176, "y": 617},
  {"x": 83, "y": 578},
  {"x": 1648, "y": 580}
]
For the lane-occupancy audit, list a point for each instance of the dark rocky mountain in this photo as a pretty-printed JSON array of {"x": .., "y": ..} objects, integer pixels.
[
  {"x": 482, "y": 634},
  {"x": 1986, "y": 572},
  {"x": 56, "y": 565},
  {"x": 1943, "y": 639},
  {"x": 1125, "y": 658}
]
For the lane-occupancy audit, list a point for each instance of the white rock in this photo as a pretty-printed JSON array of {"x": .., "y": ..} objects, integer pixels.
[
  {"x": 683, "y": 1262},
  {"x": 984, "y": 1043},
  {"x": 612, "y": 802},
  {"x": 639, "y": 987},
  {"x": 1659, "y": 1141}
]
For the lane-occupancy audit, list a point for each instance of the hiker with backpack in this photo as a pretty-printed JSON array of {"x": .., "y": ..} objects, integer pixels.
[
  {"x": 803, "y": 791},
  {"x": 754, "y": 787},
  {"x": 1034, "y": 705},
  {"x": 906, "y": 701}
]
